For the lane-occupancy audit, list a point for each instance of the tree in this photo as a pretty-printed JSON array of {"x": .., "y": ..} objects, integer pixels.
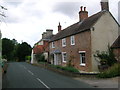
[
  {"x": 7, "y": 48},
  {"x": 23, "y": 50}
]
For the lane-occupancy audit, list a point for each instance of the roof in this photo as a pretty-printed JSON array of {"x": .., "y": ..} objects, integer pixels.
[
  {"x": 78, "y": 27},
  {"x": 38, "y": 49},
  {"x": 116, "y": 44},
  {"x": 48, "y": 38}
]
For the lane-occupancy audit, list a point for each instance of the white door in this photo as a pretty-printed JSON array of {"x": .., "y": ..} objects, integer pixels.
[{"x": 55, "y": 59}]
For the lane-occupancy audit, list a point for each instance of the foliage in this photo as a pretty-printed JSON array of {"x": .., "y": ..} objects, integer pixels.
[
  {"x": 40, "y": 57},
  {"x": 27, "y": 57},
  {"x": 113, "y": 71},
  {"x": 106, "y": 57},
  {"x": 7, "y": 48},
  {"x": 70, "y": 61},
  {"x": 12, "y": 50},
  {"x": 70, "y": 69},
  {"x": 23, "y": 50}
]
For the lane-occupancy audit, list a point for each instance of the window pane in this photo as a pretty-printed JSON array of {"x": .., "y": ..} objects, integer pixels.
[{"x": 82, "y": 58}]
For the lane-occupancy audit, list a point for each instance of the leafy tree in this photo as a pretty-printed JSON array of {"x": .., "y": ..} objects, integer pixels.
[
  {"x": 23, "y": 50},
  {"x": 7, "y": 48}
]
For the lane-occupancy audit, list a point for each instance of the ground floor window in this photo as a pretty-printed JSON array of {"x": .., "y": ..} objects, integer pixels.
[
  {"x": 82, "y": 58},
  {"x": 64, "y": 56}
]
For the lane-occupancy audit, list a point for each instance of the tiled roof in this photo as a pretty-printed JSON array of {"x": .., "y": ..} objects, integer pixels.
[
  {"x": 116, "y": 44},
  {"x": 38, "y": 49},
  {"x": 78, "y": 27}
]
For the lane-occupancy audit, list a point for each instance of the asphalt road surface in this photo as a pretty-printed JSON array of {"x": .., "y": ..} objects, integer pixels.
[{"x": 24, "y": 75}]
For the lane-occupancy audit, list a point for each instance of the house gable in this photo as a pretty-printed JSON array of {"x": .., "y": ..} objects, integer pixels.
[{"x": 104, "y": 33}]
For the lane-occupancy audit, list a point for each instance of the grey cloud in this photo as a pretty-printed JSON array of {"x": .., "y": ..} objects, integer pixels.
[
  {"x": 67, "y": 8},
  {"x": 24, "y": 12},
  {"x": 15, "y": 4}
]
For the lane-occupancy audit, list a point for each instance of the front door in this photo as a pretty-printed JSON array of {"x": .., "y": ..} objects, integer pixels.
[{"x": 55, "y": 59}]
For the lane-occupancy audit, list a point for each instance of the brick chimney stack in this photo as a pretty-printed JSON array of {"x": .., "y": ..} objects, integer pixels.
[
  {"x": 104, "y": 5},
  {"x": 59, "y": 27},
  {"x": 83, "y": 14}
]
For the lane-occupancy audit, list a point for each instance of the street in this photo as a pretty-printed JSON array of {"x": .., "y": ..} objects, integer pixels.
[{"x": 24, "y": 75}]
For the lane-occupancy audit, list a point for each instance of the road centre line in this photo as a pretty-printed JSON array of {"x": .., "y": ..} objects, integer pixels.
[
  {"x": 30, "y": 72},
  {"x": 43, "y": 83}
]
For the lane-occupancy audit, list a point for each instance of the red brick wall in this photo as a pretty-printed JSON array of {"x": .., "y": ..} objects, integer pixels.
[
  {"x": 82, "y": 43},
  {"x": 117, "y": 53}
]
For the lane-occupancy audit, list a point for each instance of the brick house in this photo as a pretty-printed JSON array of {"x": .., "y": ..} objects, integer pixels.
[
  {"x": 78, "y": 43},
  {"x": 116, "y": 48},
  {"x": 42, "y": 46}
]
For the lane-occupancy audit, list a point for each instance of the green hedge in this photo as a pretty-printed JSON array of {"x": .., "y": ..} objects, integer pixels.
[
  {"x": 113, "y": 71},
  {"x": 70, "y": 69}
]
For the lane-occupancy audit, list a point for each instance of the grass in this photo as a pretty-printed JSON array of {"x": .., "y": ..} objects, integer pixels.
[{"x": 112, "y": 71}]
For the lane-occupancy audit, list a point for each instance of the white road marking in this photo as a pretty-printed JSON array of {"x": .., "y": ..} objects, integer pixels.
[
  {"x": 24, "y": 67},
  {"x": 43, "y": 83},
  {"x": 30, "y": 72}
]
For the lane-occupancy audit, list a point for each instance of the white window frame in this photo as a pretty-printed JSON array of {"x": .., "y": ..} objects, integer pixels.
[
  {"x": 72, "y": 40},
  {"x": 81, "y": 58},
  {"x": 63, "y": 42},
  {"x": 53, "y": 44},
  {"x": 63, "y": 59}
]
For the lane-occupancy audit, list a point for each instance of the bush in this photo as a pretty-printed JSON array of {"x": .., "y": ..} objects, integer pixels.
[
  {"x": 27, "y": 57},
  {"x": 106, "y": 57},
  {"x": 40, "y": 58},
  {"x": 112, "y": 71},
  {"x": 70, "y": 69}
]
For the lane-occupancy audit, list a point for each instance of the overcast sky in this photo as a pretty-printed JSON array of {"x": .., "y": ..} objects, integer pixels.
[{"x": 27, "y": 19}]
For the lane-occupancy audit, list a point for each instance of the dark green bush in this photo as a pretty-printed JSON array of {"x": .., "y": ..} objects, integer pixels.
[
  {"x": 70, "y": 69},
  {"x": 27, "y": 57},
  {"x": 112, "y": 71},
  {"x": 106, "y": 57},
  {"x": 40, "y": 57}
]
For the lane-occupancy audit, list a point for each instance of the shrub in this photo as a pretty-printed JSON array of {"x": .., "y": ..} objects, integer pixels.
[
  {"x": 27, "y": 57},
  {"x": 112, "y": 71},
  {"x": 70, "y": 69},
  {"x": 40, "y": 57},
  {"x": 106, "y": 57}
]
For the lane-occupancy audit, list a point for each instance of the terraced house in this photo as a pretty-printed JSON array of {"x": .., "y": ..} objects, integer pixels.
[{"x": 78, "y": 43}]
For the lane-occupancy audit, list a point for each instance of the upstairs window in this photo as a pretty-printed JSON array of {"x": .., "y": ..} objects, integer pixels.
[
  {"x": 63, "y": 42},
  {"x": 72, "y": 38},
  {"x": 53, "y": 44}
]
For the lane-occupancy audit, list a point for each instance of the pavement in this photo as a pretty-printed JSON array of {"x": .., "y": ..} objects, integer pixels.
[{"x": 101, "y": 83}]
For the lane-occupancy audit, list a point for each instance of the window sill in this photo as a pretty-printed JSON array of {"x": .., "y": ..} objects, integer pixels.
[
  {"x": 82, "y": 64},
  {"x": 64, "y": 61},
  {"x": 63, "y": 46}
]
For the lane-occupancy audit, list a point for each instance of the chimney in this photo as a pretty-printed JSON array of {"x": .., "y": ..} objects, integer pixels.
[
  {"x": 104, "y": 5},
  {"x": 44, "y": 35},
  {"x": 49, "y": 32},
  {"x": 59, "y": 27},
  {"x": 83, "y": 14}
]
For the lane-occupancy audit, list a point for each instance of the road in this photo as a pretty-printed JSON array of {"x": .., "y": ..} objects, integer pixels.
[{"x": 24, "y": 75}]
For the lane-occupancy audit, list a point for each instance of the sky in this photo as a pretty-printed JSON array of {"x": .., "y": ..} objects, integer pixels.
[{"x": 26, "y": 20}]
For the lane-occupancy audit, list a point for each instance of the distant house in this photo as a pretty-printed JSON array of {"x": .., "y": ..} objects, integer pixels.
[
  {"x": 116, "y": 48},
  {"x": 78, "y": 43},
  {"x": 42, "y": 46}
]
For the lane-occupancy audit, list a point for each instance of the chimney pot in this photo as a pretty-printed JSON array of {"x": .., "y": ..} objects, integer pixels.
[
  {"x": 59, "y": 27},
  {"x": 84, "y": 8},
  {"x": 81, "y": 8}
]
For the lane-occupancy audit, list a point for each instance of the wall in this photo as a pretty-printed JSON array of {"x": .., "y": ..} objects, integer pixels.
[
  {"x": 105, "y": 32},
  {"x": 82, "y": 43}
]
